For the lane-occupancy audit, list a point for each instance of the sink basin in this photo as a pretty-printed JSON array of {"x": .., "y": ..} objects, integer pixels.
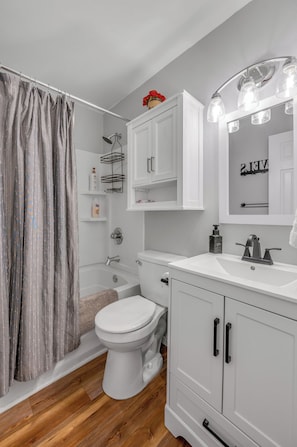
[
  {"x": 272, "y": 275},
  {"x": 277, "y": 279}
]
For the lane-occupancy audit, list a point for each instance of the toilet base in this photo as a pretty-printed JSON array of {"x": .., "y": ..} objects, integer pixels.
[
  {"x": 152, "y": 368},
  {"x": 125, "y": 375}
]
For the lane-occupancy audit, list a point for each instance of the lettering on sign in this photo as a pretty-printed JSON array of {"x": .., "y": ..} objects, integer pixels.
[{"x": 254, "y": 167}]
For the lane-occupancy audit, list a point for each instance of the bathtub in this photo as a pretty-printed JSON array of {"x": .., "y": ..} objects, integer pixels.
[
  {"x": 98, "y": 277},
  {"x": 92, "y": 279}
]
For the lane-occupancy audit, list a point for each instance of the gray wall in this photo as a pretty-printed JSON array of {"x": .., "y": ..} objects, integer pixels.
[
  {"x": 88, "y": 129},
  {"x": 263, "y": 29}
]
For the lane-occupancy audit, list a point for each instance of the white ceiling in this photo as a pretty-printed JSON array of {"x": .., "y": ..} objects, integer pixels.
[{"x": 101, "y": 50}]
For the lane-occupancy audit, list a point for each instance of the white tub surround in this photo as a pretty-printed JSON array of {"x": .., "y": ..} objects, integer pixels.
[{"x": 98, "y": 277}]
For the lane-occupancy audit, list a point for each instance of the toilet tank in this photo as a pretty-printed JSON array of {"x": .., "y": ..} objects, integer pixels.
[{"x": 152, "y": 267}]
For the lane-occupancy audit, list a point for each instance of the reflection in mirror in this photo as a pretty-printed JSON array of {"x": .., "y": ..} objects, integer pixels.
[{"x": 261, "y": 174}]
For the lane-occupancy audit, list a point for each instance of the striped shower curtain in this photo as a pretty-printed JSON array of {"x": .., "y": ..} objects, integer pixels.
[{"x": 39, "y": 287}]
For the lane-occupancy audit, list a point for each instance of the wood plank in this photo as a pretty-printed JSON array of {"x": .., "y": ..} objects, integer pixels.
[
  {"x": 16, "y": 416},
  {"x": 36, "y": 427},
  {"x": 125, "y": 418}
]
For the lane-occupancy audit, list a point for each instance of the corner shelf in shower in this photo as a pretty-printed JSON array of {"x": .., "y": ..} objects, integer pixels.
[
  {"x": 86, "y": 205},
  {"x": 93, "y": 219},
  {"x": 93, "y": 193}
]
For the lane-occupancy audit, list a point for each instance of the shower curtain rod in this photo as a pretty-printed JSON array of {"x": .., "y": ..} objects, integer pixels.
[{"x": 75, "y": 98}]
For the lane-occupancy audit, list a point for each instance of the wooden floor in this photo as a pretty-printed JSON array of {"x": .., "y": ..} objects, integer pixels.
[{"x": 75, "y": 412}]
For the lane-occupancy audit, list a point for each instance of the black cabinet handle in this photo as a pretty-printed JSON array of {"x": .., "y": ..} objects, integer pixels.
[
  {"x": 205, "y": 424},
  {"x": 216, "y": 322},
  {"x": 227, "y": 354}
]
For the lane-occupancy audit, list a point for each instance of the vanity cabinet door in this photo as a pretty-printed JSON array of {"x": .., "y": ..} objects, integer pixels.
[
  {"x": 196, "y": 340},
  {"x": 164, "y": 149},
  {"x": 260, "y": 378},
  {"x": 141, "y": 153}
]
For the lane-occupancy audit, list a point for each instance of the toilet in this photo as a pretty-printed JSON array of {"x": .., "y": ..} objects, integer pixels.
[{"x": 132, "y": 329}]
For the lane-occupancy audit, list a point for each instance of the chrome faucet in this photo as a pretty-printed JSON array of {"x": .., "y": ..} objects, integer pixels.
[
  {"x": 254, "y": 242},
  {"x": 111, "y": 259}
]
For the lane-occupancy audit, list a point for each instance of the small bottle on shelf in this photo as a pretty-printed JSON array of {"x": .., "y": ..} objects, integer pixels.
[
  {"x": 95, "y": 208},
  {"x": 93, "y": 180}
]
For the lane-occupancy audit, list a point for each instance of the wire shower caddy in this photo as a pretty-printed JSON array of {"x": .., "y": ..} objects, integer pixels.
[{"x": 116, "y": 156}]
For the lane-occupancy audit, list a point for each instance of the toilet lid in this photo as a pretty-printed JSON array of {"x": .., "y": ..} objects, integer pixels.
[{"x": 126, "y": 315}]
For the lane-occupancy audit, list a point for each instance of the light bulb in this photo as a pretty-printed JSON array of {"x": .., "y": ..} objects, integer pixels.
[
  {"x": 248, "y": 97},
  {"x": 233, "y": 126},
  {"x": 287, "y": 83},
  {"x": 289, "y": 109},
  {"x": 216, "y": 109},
  {"x": 261, "y": 117}
]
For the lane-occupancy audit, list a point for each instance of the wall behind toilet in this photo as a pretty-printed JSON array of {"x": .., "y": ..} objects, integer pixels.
[{"x": 263, "y": 29}]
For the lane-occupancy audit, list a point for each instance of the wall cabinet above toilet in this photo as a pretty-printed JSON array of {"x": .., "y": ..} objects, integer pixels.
[{"x": 165, "y": 156}]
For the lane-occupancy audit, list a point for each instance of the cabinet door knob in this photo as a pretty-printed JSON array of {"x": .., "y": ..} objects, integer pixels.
[
  {"x": 227, "y": 353},
  {"x": 216, "y": 322},
  {"x": 148, "y": 160}
]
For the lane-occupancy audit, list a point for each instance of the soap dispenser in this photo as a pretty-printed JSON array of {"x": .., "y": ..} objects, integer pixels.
[{"x": 215, "y": 241}]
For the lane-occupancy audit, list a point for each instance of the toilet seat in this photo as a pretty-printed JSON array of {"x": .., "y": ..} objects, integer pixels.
[{"x": 126, "y": 315}]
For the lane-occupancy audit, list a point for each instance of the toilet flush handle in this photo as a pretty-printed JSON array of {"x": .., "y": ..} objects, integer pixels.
[{"x": 165, "y": 278}]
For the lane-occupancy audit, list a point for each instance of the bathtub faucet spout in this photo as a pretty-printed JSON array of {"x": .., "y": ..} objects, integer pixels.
[{"x": 111, "y": 259}]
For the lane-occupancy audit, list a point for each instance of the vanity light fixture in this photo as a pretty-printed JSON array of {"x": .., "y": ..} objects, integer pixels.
[
  {"x": 261, "y": 117},
  {"x": 251, "y": 79}
]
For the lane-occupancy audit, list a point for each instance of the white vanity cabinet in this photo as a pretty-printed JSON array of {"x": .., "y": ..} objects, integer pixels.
[
  {"x": 165, "y": 160},
  {"x": 232, "y": 372}
]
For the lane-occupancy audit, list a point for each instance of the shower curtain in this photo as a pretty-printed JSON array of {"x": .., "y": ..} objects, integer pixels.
[{"x": 39, "y": 285}]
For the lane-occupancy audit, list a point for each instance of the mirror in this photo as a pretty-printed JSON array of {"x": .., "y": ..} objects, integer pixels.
[{"x": 257, "y": 163}]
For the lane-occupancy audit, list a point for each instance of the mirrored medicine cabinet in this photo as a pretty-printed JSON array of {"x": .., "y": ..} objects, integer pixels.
[{"x": 258, "y": 164}]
